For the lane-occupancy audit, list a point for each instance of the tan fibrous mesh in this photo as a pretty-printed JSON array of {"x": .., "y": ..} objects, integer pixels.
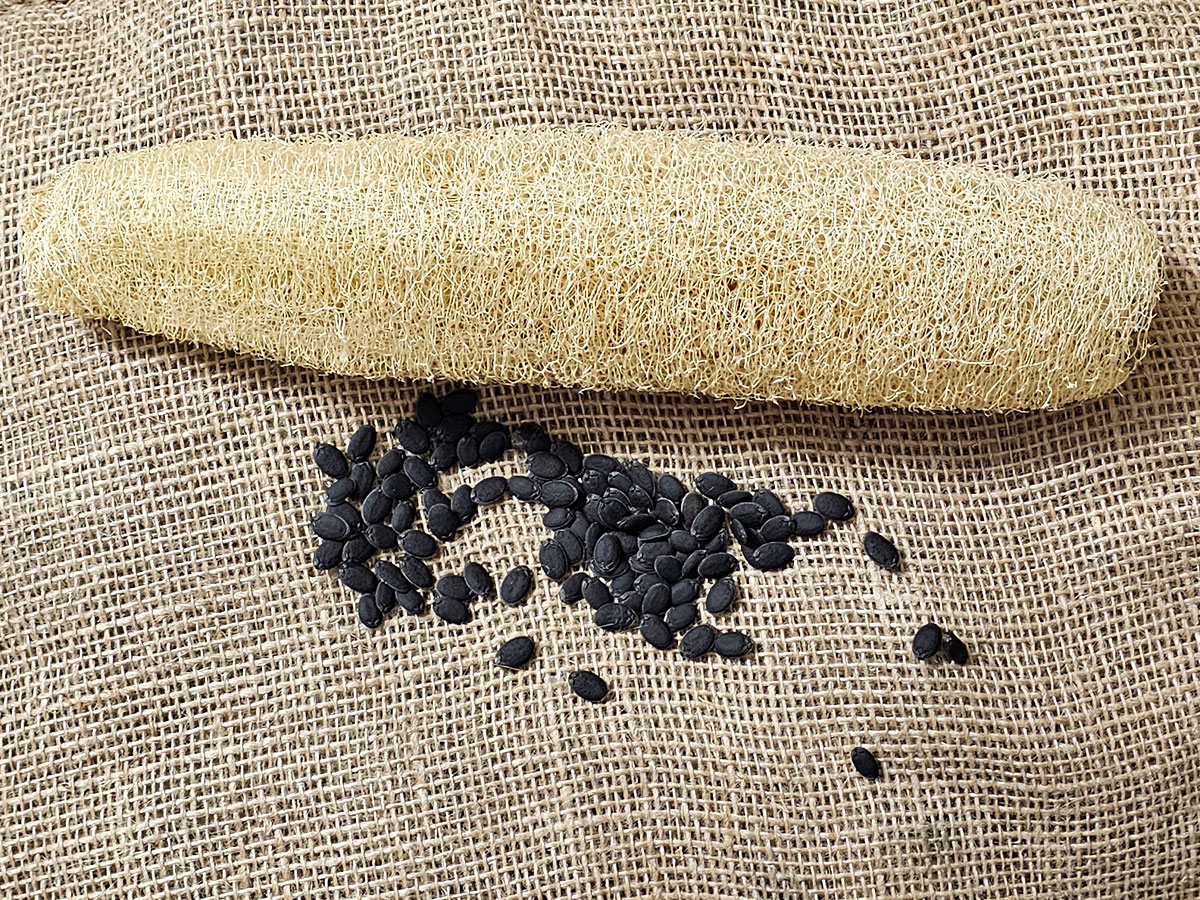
[{"x": 607, "y": 258}]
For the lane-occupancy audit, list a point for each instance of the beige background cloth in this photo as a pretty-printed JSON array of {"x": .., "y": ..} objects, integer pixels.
[{"x": 188, "y": 710}]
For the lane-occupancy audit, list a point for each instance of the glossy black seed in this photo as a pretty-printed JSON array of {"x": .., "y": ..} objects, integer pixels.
[
  {"x": 570, "y": 455},
  {"x": 559, "y": 493},
  {"x": 623, "y": 581},
  {"x": 772, "y": 556},
  {"x": 713, "y": 484},
  {"x": 749, "y": 514},
  {"x": 601, "y": 462},
  {"x": 717, "y": 565},
  {"x": 730, "y": 499},
  {"x": 657, "y": 599},
  {"x": 644, "y": 582},
  {"x": 666, "y": 512},
  {"x": 412, "y": 437},
  {"x": 639, "y": 499},
  {"x": 708, "y": 522},
  {"x": 331, "y": 460},
  {"x": 441, "y": 521},
  {"x": 641, "y": 476},
  {"x": 362, "y": 474},
  {"x": 553, "y": 560},
  {"x": 571, "y": 544},
  {"x": 460, "y": 402},
  {"x": 808, "y": 524},
  {"x": 593, "y": 482},
  {"x": 398, "y": 486},
  {"x": 571, "y": 591},
  {"x": 356, "y": 577},
  {"x": 691, "y": 565},
  {"x": 330, "y": 527},
  {"x": 377, "y": 507},
  {"x": 721, "y": 596},
  {"x": 776, "y": 528},
  {"x": 955, "y": 648},
  {"x": 340, "y": 491},
  {"x": 516, "y": 585},
  {"x": 514, "y": 653},
  {"x": 545, "y": 465},
  {"x": 493, "y": 446},
  {"x": 522, "y": 487},
  {"x": 607, "y": 555},
  {"x": 655, "y": 531},
  {"x": 368, "y": 612},
  {"x": 680, "y": 617},
  {"x": 390, "y": 574},
  {"x": 588, "y": 685},
  {"x": 429, "y": 411},
  {"x": 594, "y": 531},
  {"x": 431, "y": 497},
  {"x": 769, "y": 501},
  {"x": 834, "y": 506},
  {"x": 652, "y": 550},
  {"x": 444, "y": 456},
  {"x": 462, "y": 505},
  {"x": 381, "y": 536},
  {"x": 467, "y": 451},
  {"x": 619, "y": 481},
  {"x": 671, "y": 488},
  {"x": 615, "y": 617},
  {"x": 418, "y": 544},
  {"x": 490, "y": 490},
  {"x": 410, "y": 600},
  {"x": 612, "y": 493},
  {"x": 454, "y": 586},
  {"x": 641, "y": 566},
  {"x": 927, "y": 641},
  {"x": 361, "y": 443},
  {"x": 478, "y": 579},
  {"x": 717, "y": 543},
  {"x": 416, "y": 572},
  {"x": 390, "y": 463},
  {"x": 744, "y": 535},
  {"x": 864, "y": 762},
  {"x": 419, "y": 473},
  {"x": 402, "y": 516},
  {"x": 558, "y": 517},
  {"x": 327, "y": 555},
  {"x": 655, "y": 632},
  {"x": 881, "y": 551},
  {"x": 733, "y": 645},
  {"x": 631, "y": 599},
  {"x": 385, "y": 598},
  {"x": 697, "y": 642},
  {"x": 451, "y": 610},
  {"x": 596, "y": 593},
  {"x": 683, "y": 541},
  {"x": 668, "y": 568},
  {"x": 612, "y": 512},
  {"x": 455, "y": 426}
]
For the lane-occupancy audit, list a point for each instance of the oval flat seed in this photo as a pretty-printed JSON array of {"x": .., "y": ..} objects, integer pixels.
[
  {"x": 639, "y": 499},
  {"x": 612, "y": 512},
  {"x": 455, "y": 426},
  {"x": 927, "y": 641},
  {"x": 733, "y": 645},
  {"x": 641, "y": 476},
  {"x": 864, "y": 762},
  {"x": 362, "y": 475},
  {"x": 692, "y": 564},
  {"x": 681, "y": 617},
  {"x": 615, "y": 617},
  {"x": 361, "y": 443},
  {"x": 467, "y": 451},
  {"x": 331, "y": 460},
  {"x": 368, "y": 612},
  {"x": 390, "y": 463},
  {"x": 493, "y": 446},
  {"x": 776, "y": 528},
  {"x": 559, "y": 493},
  {"x": 553, "y": 560},
  {"x": 341, "y": 490},
  {"x": 593, "y": 482},
  {"x": 490, "y": 490},
  {"x": 444, "y": 456},
  {"x": 558, "y": 517},
  {"x": 516, "y": 584},
  {"x": 746, "y": 537},
  {"x": 385, "y": 598},
  {"x": 601, "y": 462},
  {"x": 348, "y": 513},
  {"x": 330, "y": 527},
  {"x": 607, "y": 555},
  {"x": 358, "y": 578},
  {"x": 588, "y": 685},
  {"x": 655, "y": 531},
  {"x": 531, "y": 438},
  {"x": 955, "y": 648},
  {"x": 571, "y": 591},
  {"x": 460, "y": 402},
  {"x": 686, "y": 590},
  {"x": 514, "y": 653},
  {"x": 522, "y": 487},
  {"x": 808, "y": 524},
  {"x": 623, "y": 581},
  {"x": 403, "y": 515},
  {"x": 570, "y": 455},
  {"x": 358, "y": 549},
  {"x": 683, "y": 541},
  {"x": 412, "y": 437},
  {"x": 416, "y": 572},
  {"x": 454, "y": 586},
  {"x": 441, "y": 521},
  {"x": 749, "y": 514},
  {"x": 656, "y": 632},
  {"x": 429, "y": 411},
  {"x": 881, "y": 551},
  {"x": 450, "y": 610},
  {"x": 708, "y": 522},
  {"x": 377, "y": 507},
  {"x": 390, "y": 574},
  {"x": 718, "y": 543},
  {"x": 671, "y": 488},
  {"x": 721, "y": 596},
  {"x": 461, "y": 503},
  {"x": 731, "y": 499},
  {"x": 656, "y": 600},
  {"x": 834, "y": 506},
  {"x": 478, "y": 579},
  {"x": 668, "y": 568},
  {"x": 713, "y": 484},
  {"x": 666, "y": 512},
  {"x": 410, "y": 600},
  {"x": 544, "y": 464},
  {"x": 381, "y": 536},
  {"x": 717, "y": 565},
  {"x": 419, "y": 472},
  {"x": 631, "y": 599},
  {"x": 772, "y": 556},
  {"x": 571, "y": 544},
  {"x": 327, "y": 555},
  {"x": 769, "y": 501},
  {"x": 418, "y": 544},
  {"x": 697, "y": 642},
  {"x": 690, "y": 507},
  {"x": 431, "y": 497},
  {"x": 592, "y": 537},
  {"x": 596, "y": 593}
]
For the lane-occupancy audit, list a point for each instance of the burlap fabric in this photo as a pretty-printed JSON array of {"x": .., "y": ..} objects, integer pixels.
[{"x": 188, "y": 710}]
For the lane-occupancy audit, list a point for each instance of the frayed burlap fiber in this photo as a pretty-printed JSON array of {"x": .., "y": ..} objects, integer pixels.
[{"x": 188, "y": 710}]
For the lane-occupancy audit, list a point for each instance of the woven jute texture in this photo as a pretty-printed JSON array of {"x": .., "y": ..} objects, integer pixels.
[{"x": 188, "y": 710}]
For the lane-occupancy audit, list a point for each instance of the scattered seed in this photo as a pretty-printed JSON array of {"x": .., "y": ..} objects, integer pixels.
[
  {"x": 881, "y": 551},
  {"x": 358, "y": 549},
  {"x": 772, "y": 556},
  {"x": 588, "y": 685},
  {"x": 478, "y": 579},
  {"x": 570, "y": 455},
  {"x": 864, "y": 762},
  {"x": 708, "y": 522},
  {"x": 416, "y": 572},
  {"x": 418, "y": 544},
  {"x": 429, "y": 411},
  {"x": 655, "y": 632},
  {"x": 444, "y": 456},
  {"x": 553, "y": 560},
  {"x": 721, "y": 596},
  {"x": 419, "y": 473},
  {"x": 730, "y": 499},
  {"x": 441, "y": 521},
  {"x": 412, "y": 437},
  {"x": 381, "y": 536},
  {"x": 776, "y": 528},
  {"x": 808, "y": 524},
  {"x": 571, "y": 544},
  {"x": 713, "y": 484},
  {"x": 683, "y": 541},
  {"x": 362, "y": 474},
  {"x": 385, "y": 598},
  {"x": 545, "y": 465},
  {"x": 671, "y": 488},
  {"x": 516, "y": 584},
  {"x": 684, "y": 591},
  {"x": 330, "y": 527},
  {"x": 331, "y": 460},
  {"x": 733, "y": 645},
  {"x": 368, "y": 612},
  {"x": 571, "y": 591},
  {"x": 834, "y": 506},
  {"x": 410, "y": 600},
  {"x": 467, "y": 451},
  {"x": 356, "y": 577},
  {"x": 669, "y": 568},
  {"x": 697, "y": 642},
  {"x": 956, "y": 649},
  {"x": 390, "y": 463},
  {"x": 769, "y": 501},
  {"x": 450, "y": 610},
  {"x": 454, "y": 586},
  {"x": 558, "y": 517},
  {"x": 341, "y": 490},
  {"x": 390, "y": 574},
  {"x": 460, "y": 402},
  {"x": 522, "y": 487},
  {"x": 327, "y": 555},
  {"x": 690, "y": 507},
  {"x": 596, "y": 593},
  {"x": 559, "y": 492},
  {"x": 431, "y": 497},
  {"x": 615, "y": 617},
  {"x": 490, "y": 490},
  {"x": 680, "y": 617},
  {"x": 656, "y": 600},
  {"x": 601, "y": 462},
  {"x": 927, "y": 640},
  {"x": 514, "y": 653},
  {"x": 402, "y": 516},
  {"x": 462, "y": 505},
  {"x": 717, "y": 565},
  {"x": 361, "y": 443}
]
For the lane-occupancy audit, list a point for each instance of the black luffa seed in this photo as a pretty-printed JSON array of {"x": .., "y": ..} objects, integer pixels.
[
  {"x": 361, "y": 443},
  {"x": 390, "y": 463},
  {"x": 639, "y": 499},
  {"x": 655, "y": 632},
  {"x": 721, "y": 596},
  {"x": 545, "y": 465},
  {"x": 596, "y": 593},
  {"x": 772, "y": 556},
  {"x": 331, "y": 460},
  {"x": 612, "y": 512},
  {"x": 460, "y": 402},
  {"x": 571, "y": 544},
  {"x": 368, "y": 612},
  {"x": 429, "y": 411},
  {"x": 717, "y": 565},
  {"x": 588, "y": 685},
  {"x": 607, "y": 555},
  {"x": 594, "y": 531},
  {"x": 516, "y": 584},
  {"x": 748, "y": 513},
  {"x": 493, "y": 446},
  {"x": 416, "y": 572},
  {"x": 864, "y": 762},
  {"x": 553, "y": 560},
  {"x": 834, "y": 506},
  {"x": 619, "y": 481},
  {"x": 692, "y": 564},
  {"x": 522, "y": 487},
  {"x": 769, "y": 501},
  {"x": 643, "y": 583},
  {"x": 490, "y": 490},
  {"x": 776, "y": 528},
  {"x": 377, "y": 507},
  {"x": 532, "y": 439},
  {"x": 455, "y": 426},
  {"x": 955, "y": 648},
  {"x": 683, "y": 541},
  {"x": 655, "y": 531},
  {"x": 593, "y": 482},
  {"x": 362, "y": 474},
  {"x": 454, "y": 586},
  {"x": 444, "y": 456},
  {"x": 730, "y": 499},
  {"x": 461, "y": 503},
  {"x": 697, "y": 642},
  {"x": 615, "y": 617},
  {"x": 733, "y": 645},
  {"x": 410, "y": 600},
  {"x": 431, "y": 497},
  {"x": 713, "y": 484},
  {"x": 881, "y": 551},
  {"x": 402, "y": 516},
  {"x": 668, "y": 568},
  {"x": 708, "y": 522},
  {"x": 349, "y": 514},
  {"x": 570, "y": 455},
  {"x": 441, "y": 521},
  {"x": 623, "y": 581},
  {"x": 397, "y": 486},
  {"x": 418, "y": 544},
  {"x": 478, "y": 579},
  {"x": 391, "y": 575},
  {"x": 450, "y": 610},
  {"x": 340, "y": 491},
  {"x": 681, "y": 617},
  {"x": 356, "y": 577},
  {"x": 808, "y": 524},
  {"x": 671, "y": 487},
  {"x": 641, "y": 476},
  {"x": 558, "y": 517},
  {"x": 381, "y": 536},
  {"x": 327, "y": 555},
  {"x": 656, "y": 600},
  {"x": 514, "y": 653},
  {"x": 601, "y": 462},
  {"x": 927, "y": 640},
  {"x": 467, "y": 451},
  {"x": 666, "y": 512},
  {"x": 580, "y": 526},
  {"x": 330, "y": 527},
  {"x": 571, "y": 591},
  {"x": 717, "y": 543},
  {"x": 742, "y": 534},
  {"x": 412, "y": 437},
  {"x": 419, "y": 472},
  {"x": 559, "y": 492},
  {"x": 652, "y": 550},
  {"x": 631, "y": 599},
  {"x": 385, "y": 598}
]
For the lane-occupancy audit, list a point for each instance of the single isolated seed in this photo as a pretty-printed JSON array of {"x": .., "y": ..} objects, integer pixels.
[
  {"x": 462, "y": 505},
  {"x": 834, "y": 506},
  {"x": 450, "y": 610},
  {"x": 516, "y": 584},
  {"x": 808, "y": 524},
  {"x": 881, "y": 551},
  {"x": 721, "y": 596},
  {"x": 358, "y": 578},
  {"x": 553, "y": 560},
  {"x": 655, "y": 632},
  {"x": 368, "y": 612},
  {"x": 361, "y": 443},
  {"x": 331, "y": 460},
  {"x": 327, "y": 555},
  {"x": 490, "y": 490},
  {"x": 615, "y": 617},
  {"x": 733, "y": 645},
  {"x": 771, "y": 557},
  {"x": 864, "y": 762},
  {"x": 955, "y": 648},
  {"x": 927, "y": 640},
  {"x": 514, "y": 653},
  {"x": 412, "y": 437},
  {"x": 359, "y": 548},
  {"x": 697, "y": 642},
  {"x": 588, "y": 685},
  {"x": 478, "y": 579}
]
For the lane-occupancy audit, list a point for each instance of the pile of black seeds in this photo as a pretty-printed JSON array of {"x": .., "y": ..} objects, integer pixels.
[{"x": 642, "y": 550}]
